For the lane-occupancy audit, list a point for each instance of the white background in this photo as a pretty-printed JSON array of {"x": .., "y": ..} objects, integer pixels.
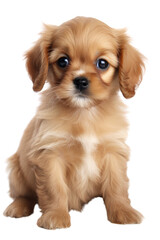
[{"x": 20, "y": 23}]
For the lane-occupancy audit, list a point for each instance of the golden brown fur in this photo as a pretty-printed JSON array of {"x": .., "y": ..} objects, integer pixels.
[{"x": 74, "y": 148}]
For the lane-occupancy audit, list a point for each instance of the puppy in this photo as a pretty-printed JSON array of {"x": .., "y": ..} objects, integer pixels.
[{"x": 74, "y": 149}]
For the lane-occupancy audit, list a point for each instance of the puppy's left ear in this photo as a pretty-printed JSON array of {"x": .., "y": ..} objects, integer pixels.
[{"x": 131, "y": 65}]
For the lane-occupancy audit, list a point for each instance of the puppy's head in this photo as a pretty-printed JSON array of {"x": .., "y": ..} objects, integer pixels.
[{"x": 85, "y": 61}]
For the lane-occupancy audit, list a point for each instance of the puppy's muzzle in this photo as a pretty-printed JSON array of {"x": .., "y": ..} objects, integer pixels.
[{"x": 81, "y": 83}]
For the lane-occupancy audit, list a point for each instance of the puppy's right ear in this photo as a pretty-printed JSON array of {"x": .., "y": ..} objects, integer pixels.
[{"x": 37, "y": 58}]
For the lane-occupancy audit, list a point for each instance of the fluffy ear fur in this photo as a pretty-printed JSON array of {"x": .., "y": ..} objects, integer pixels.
[
  {"x": 130, "y": 68},
  {"x": 37, "y": 58}
]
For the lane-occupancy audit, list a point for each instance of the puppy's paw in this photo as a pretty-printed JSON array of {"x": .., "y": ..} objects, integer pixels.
[
  {"x": 54, "y": 219},
  {"x": 125, "y": 215},
  {"x": 20, "y": 207}
]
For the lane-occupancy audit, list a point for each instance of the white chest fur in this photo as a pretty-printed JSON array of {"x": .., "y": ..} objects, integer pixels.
[{"x": 89, "y": 169}]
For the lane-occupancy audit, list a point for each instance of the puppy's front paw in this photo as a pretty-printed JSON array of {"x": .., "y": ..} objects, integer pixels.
[
  {"x": 54, "y": 219},
  {"x": 125, "y": 215}
]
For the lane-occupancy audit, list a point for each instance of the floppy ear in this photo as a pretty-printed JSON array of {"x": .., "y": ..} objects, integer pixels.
[
  {"x": 37, "y": 58},
  {"x": 37, "y": 65},
  {"x": 130, "y": 68}
]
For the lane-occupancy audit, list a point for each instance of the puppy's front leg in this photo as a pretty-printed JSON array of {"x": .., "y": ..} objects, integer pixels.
[
  {"x": 115, "y": 190},
  {"x": 52, "y": 192}
]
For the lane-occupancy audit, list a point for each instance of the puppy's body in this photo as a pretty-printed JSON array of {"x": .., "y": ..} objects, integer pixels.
[
  {"x": 82, "y": 147},
  {"x": 74, "y": 149}
]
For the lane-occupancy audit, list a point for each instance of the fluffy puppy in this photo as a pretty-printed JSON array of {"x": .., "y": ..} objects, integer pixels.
[{"x": 74, "y": 148}]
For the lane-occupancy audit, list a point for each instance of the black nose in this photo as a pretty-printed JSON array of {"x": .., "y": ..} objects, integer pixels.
[{"x": 81, "y": 83}]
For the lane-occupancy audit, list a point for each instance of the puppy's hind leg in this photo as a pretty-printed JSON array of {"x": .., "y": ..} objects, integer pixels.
[{"x": 24, "y": 198}]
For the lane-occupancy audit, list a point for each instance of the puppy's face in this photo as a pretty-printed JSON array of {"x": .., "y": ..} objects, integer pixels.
[{"x": 85, "y": 62}]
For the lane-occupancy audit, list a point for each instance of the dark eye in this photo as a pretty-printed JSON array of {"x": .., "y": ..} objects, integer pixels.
[
  {"x": 63, "y": 62},
  {"x": 102, "y": 64}
]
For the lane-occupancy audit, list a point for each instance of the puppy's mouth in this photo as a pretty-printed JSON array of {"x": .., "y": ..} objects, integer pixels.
[
  {"x": 81, "y": 95},
  {"x": 81, "y": 100}
]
